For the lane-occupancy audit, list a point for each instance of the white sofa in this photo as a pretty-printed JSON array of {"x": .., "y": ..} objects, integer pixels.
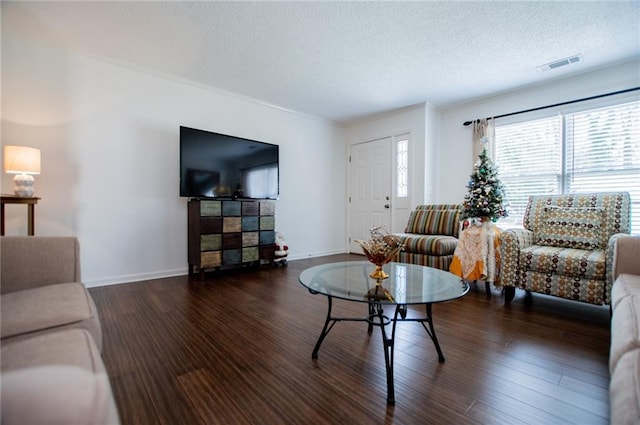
[
  {"x": 624, "y": 356},
  {"x": 51, "y": 365}
]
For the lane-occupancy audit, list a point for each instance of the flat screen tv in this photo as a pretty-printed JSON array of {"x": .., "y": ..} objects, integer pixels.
[{"x": 214, "y": 165}]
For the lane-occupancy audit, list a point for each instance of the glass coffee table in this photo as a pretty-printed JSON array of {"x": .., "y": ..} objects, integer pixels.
[{"x": 407, "y": 284}]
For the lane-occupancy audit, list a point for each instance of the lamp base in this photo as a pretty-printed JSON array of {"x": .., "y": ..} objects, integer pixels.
[{"x": 23, "y": 185}]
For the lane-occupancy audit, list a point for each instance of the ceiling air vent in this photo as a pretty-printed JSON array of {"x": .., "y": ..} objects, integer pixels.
[{"x": 560, "y": 63}]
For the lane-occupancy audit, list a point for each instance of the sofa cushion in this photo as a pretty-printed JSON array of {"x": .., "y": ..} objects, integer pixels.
[
  {"x": 625, "y": 329},
  {"x": 49, "y": 307},
  {"x": 57, "y": 395},
  {"x": 625, "y": 285},
  {"x": 564, "y": 261},
  {"x": 29, "y": 262},
  {"x": 579, "y": 228},
  {"x": 68, "y": 347},
  {"x": 434, "y": 222},
  {"x": 624, "y": 390},
  {"x": 428, "y": 244}
]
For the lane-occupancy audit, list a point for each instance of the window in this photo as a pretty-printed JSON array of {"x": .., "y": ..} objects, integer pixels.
[
  {"x": 594, "y": 150},
  {"x": 402, "y": 169}
]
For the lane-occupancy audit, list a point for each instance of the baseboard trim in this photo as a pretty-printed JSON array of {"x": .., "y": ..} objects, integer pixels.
[{"x": 117, "y": 280}]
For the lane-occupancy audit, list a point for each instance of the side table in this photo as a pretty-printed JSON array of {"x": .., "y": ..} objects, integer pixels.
[
  {"x": 30, "y": 202},
  {"x": 477, "y": 255}
]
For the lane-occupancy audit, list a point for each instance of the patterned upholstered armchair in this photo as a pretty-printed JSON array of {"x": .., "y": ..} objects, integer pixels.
[
  {"x": 431, "y": 235},
  {"x": 566, "y": 246}
]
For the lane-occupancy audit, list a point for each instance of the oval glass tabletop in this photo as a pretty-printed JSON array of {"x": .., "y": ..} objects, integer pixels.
[{"x": 406, "y": 284}]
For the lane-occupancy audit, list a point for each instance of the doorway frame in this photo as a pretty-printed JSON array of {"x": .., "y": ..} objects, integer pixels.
[{"x": 400, "y": 207}]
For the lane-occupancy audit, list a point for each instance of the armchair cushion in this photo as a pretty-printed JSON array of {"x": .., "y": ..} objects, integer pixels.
[
  {"x": 571, "y": 228},
  {"x": 428, "y": 244},
  {"x": 616, "y": 207},
  {"x": 564, "y": 261},
  {"x": 434, "y": 222}
]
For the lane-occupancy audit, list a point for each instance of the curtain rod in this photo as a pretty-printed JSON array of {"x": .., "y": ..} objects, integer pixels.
[{"x": 466, "y": 123}]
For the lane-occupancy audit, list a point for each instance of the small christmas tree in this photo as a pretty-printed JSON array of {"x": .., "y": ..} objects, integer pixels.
[{"x": 485, "y": 197}]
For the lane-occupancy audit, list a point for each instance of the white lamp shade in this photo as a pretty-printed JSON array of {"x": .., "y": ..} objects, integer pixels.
[{"x": 21, "y": 160}]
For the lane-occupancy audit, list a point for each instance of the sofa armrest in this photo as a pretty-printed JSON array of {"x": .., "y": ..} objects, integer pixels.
[
  {"x": 511, "y": 242},
  {"x": 626, "y": 255},
  {"x": 34, "y": 261}
]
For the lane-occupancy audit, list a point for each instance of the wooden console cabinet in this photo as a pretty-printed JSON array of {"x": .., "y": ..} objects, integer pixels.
[{"x": 230, "y": 233}]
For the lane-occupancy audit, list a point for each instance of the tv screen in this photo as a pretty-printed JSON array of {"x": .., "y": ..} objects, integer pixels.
[{"x": 214, "y": 165}]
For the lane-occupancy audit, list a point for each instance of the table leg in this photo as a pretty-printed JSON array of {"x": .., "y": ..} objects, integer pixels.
[
  {"x": 432, "y": 332},
  {"x": 330, "y": 321},
  {"x": 2, "y": 223},
  {"x": 372, "y": 313},
  {"x": 377, "y": 318},
  {"x": 325, "y": 329},
  {"x": 388, "y": 345},
  {"x": 31, "y": 230}
]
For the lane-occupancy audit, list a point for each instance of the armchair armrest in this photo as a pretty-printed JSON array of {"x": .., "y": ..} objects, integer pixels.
[
  {"x": 34, "y": 261},
  {"x": 511, "y": 242}
]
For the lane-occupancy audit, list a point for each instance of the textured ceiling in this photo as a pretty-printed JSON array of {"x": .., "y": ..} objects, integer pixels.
[{"x": 342, "y": 60}]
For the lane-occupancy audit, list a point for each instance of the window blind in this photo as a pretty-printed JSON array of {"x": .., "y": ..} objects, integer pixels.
[
  {"x": 528, "y": 157},
  {"x": 596, "y": 150}
]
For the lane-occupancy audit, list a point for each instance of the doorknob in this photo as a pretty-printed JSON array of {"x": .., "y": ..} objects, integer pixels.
[{"x": 387, "y": 206}]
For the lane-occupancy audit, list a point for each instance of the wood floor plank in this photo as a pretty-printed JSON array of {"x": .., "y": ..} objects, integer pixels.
[
  {"x": 132, "y": 400},
  {"x": 484, "y": 414},
  {"x": 235, "y": 348}
]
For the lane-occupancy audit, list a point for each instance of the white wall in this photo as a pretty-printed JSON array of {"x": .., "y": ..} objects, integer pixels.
[
  {"x": 430, "y": 192},
  {"x": 456, "y": 162},
  {"x": 109, "y": 141}
]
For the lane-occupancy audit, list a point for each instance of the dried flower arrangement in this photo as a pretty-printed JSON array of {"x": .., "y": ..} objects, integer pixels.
[{"x": 380, "y": 249}]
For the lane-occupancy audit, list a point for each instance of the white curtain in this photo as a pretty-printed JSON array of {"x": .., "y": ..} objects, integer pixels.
[{"x": 483, "y": 137}]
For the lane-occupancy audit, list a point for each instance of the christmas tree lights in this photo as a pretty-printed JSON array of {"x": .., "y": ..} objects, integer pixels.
[{"x": 485, "y": 195}]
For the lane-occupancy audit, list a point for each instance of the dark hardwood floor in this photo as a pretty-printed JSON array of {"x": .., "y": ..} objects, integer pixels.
[{"x": 235, "y": 348}]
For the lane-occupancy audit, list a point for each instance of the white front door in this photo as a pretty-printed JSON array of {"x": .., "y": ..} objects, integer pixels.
[{"x": 370, "y": 189}]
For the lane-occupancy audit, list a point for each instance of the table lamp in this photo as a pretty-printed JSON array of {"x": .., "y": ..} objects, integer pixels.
[{"x": 23, "y": 162}]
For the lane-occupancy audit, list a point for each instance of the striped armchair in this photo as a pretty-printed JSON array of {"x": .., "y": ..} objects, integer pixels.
[
  {"x": 566, "y": 246},
  {"x": 431, "y": 235}
]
